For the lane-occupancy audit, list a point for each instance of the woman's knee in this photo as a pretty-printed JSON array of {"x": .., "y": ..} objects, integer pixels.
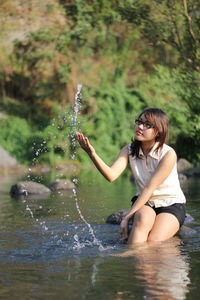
[{"x": 141, "y": 218}]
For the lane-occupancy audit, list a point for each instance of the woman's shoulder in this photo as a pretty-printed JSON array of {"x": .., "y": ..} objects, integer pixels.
[
  {"x": 166, "y": 148},
  {"x": 125, "y": 150}
]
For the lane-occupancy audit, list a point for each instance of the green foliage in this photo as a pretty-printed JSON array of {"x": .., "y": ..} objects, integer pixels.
[
  {"x": 188, "y": 144},
  {"x": 111, "y": 126},
  {"x": 162, "y": 89},
  {"x": 49, "y": 145},
  {"x": 41, "y": 63},
  {"x": 14, "y": 134},
  {"x": 128, "y": 54}
]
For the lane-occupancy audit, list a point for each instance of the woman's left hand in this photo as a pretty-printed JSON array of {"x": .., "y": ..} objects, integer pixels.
[{"x": 124, "y": 228}]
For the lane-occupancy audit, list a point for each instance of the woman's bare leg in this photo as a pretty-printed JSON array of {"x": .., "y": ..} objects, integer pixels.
[
  {"x": 165, "y": 226},
  {"x": 143, "y": 222}
]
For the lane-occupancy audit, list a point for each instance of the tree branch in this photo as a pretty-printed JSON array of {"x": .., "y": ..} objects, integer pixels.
[
  {"x": 175, "y": 26},
  {"x": 189, "y": 21}
]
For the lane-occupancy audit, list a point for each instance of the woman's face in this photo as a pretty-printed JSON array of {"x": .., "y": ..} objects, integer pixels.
[{"x": 144, "y": 130}]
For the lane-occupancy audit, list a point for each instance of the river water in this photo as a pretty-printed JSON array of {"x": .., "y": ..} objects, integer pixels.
[{"x": 60, "y": 260}]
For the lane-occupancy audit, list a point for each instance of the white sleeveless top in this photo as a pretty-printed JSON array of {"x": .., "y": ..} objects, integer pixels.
[{"x": 167, "y": 193}]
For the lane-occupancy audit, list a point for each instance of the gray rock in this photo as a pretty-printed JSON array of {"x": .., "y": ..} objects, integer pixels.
[
  {"x": 29, "y": 188},
  {"x": 186, "y": 232},
  {"x": 61, "y": 184},
  {"x": 183, "y": 165},
  {"x": 116, "y": 218},
  {"x": 31, "y": 197},
  {"x": 195, "y": 172},
  {"x": 188, "y": 219},
  {"x": 6, "y": 160},
  {"x": 182, "y": 177}
]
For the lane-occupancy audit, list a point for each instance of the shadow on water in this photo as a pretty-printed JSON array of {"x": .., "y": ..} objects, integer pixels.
[{"x": 50, "y": 253}]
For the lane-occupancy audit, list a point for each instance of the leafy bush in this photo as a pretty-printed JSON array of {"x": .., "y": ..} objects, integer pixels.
[
  {"x": 14, "y": 134},
  {"x": 29, "y": 145}
]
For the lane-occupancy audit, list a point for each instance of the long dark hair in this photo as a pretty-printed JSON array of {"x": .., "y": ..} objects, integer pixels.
[{"x": 160, "y": 120}]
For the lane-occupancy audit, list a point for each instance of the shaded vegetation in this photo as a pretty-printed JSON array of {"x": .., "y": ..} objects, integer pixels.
[{"x": 128, "y": 54}]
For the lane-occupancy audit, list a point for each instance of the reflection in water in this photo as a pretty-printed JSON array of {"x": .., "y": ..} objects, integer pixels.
[
  {"x": 162, "y": 268},
  {"x": 95, "y": 271}
]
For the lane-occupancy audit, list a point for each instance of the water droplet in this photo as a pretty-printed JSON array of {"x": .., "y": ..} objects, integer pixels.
[{"x": 75, "y": 180}]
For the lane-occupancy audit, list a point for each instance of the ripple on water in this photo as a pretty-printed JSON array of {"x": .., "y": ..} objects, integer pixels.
[
  {"x": 59, "y": 241},
  {"x": 64, "y": 239}
]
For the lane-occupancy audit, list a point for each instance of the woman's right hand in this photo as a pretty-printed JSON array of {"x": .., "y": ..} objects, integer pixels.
[
  {"x": 124, "y": 228},
  {"x": 84, "y": 143}
]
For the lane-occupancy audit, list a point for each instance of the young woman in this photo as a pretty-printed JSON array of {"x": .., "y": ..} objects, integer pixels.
[{"x": 159, "y": 207}]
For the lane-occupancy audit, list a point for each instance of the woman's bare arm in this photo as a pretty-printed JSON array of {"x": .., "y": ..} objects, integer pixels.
[{"x": 110, "y": 173}]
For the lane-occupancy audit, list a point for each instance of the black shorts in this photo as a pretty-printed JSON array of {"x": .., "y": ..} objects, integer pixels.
[{"x": 176, "y": 209}]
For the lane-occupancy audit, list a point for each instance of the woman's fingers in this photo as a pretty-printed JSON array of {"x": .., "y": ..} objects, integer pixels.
[
  {"x": 124, "y": 234},
  {"x": 84, "y": 142},
  {"x": 80, "y": 137},
  {"x": 87, "y": 142},
  {"x": 124, "y": 229}
]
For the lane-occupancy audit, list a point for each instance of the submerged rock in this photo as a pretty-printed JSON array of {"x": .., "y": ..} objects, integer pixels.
[
  {"x": 188, "y": 219},
  {"x": 29, "y": 188},
  {"x": 116, "y": 218},
  {"x": 61, "y": 184}
]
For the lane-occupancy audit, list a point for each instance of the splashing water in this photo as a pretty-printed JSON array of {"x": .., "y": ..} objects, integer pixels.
[
  {"x": 77, "y": 103},
  {"x": 74, "y": 120},
  {"x": 75, "y": 124},
  {"x": 42, "y": 223},
  {"x": 30, "y": 211},
  {"x": 91, "y": 231}
]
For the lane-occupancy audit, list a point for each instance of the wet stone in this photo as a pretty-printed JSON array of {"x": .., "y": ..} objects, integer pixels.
[
  {"x": 116, "y": 218},
  {"x": 61, "y": 184},
  {"x": 28, "y": 188}
]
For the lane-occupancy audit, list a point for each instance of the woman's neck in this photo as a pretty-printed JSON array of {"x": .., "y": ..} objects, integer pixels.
[{"x": 147, "y": 146}]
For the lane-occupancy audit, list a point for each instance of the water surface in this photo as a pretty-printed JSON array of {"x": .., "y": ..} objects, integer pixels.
[{"x": 47, "y": 252}]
